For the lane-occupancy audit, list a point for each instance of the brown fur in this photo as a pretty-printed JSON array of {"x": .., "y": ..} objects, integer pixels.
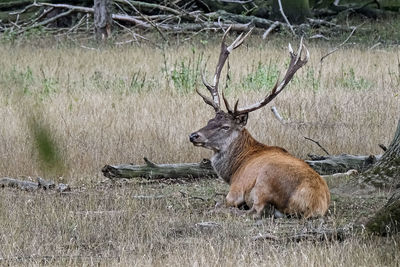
[{"x": 261, "y": 175}]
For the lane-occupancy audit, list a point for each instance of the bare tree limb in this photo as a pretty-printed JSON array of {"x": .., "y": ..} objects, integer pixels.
[
  {"x": 146, "y": 19},
  {"x": 339, "y": 46},
  {"x": 317, "y": 143},
  {"x": 277, "y": 115},
  {"x": 47, "y": 21},
  {"x": 270, "y": 29},
  {"x": 285, "y": 18}
]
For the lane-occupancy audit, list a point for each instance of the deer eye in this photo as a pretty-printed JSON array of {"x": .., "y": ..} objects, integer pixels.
[{"x": 225, "y": 127}]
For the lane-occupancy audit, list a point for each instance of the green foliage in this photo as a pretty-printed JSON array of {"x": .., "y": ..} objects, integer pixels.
[
  {"x": 349, "y": 80},
  {"x": 19, "y": 82},
  {"x": 186, "y": 73},
  {"x": 49, "y": 86},
  {"x": 9, "y": 36},
  {"x": 138, "y": 83},
  {"x": 261, "y": 78},
  {"x": 25, "y": 83},
  {"x": 312, "y": 78}
]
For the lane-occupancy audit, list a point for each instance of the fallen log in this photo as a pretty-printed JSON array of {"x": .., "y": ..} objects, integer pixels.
[
  {"x": 158, "y": 171},
  {"x": 30, "y": 185},
  {"x": 324, "y": 165}
]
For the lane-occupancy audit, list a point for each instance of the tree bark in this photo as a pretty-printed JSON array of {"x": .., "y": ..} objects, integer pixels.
[
  {"x": 387, "y": 220},
  {"x": 102, "y": 19},
  {"x": 386, "y": 171}
]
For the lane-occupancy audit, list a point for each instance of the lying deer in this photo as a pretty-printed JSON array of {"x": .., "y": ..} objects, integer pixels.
[{"x": 260, "y": 176}]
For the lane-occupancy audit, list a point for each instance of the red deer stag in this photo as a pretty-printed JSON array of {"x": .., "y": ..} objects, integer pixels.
[{"x": 260, "y": 176}]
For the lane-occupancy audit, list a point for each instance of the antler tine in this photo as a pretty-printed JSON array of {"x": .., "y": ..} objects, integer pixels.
[
  {"x": 208, "y": 101},
  {"x": 228, "y": 107},
  {"x": 214, "y": 93},
  {"x": 296, "y": 62},
  {"x": 225, "y": 51}
]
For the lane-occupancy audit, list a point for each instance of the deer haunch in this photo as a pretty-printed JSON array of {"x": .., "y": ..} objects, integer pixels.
[{"x": 259, "y": 175}]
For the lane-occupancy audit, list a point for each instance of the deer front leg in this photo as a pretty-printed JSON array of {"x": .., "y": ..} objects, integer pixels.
[{"x": 235, "y": 198}]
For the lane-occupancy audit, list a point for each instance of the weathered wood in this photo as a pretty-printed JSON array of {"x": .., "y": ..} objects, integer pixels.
[
  {"x": 157, "y": 171},
  {"x": 341, "y": 163},
  {"x": 324, "y": 165},
  {"x": 30, "y": 186},
  {"x": 23, "y": 185},
  {"x": 102, "y": 19}
]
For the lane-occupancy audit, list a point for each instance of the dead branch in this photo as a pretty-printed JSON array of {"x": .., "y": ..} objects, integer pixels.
[
  {"x": 47, "y": 21},
  {"x": 317, "y": 143},
  {"x": 270, "y": 29},
  {"x": 139, "y": 4},
  {"x": 159, "y": 171},
  {"x": 339, "y": 46},
  {"x": 383, "y": 147},
  {"x": 176, "y": 18},
  {"x": 30, "y": 186},
  {"x": 285, "y": 18},
  {"x": 277, "y": 115},
  {"x": 146, "y": 19}
]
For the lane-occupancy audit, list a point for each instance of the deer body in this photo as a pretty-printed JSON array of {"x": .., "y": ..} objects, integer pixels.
[{"x": 259, "y": 175}]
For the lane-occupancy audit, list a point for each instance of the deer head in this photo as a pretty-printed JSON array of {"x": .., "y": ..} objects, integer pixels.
[{"x": 225, "y": 127}]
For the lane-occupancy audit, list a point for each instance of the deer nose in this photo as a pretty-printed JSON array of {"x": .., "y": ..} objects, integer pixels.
[{"x": 193, "y": 137}]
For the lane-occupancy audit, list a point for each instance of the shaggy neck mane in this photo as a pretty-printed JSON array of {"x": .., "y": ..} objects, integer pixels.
[{"x": 227, "y": 162}]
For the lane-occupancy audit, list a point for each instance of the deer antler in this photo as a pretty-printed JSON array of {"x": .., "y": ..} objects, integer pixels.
[
  {"x": 225, "y": 51},
  {"x": 296, "y": 62}
]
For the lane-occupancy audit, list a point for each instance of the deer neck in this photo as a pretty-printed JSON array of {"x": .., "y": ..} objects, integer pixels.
[{"x": 229, "y": 159}]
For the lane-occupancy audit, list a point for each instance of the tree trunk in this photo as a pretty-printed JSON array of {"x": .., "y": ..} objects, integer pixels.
[
  {"x": 386, "y": 171},
  {"x": 387, "y": 220},
  {"x": 295, "y": 10},
  {"x": 102, "y": 19}
]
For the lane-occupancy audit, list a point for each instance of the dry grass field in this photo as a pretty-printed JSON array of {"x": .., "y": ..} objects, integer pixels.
[{"x": 118, "y": 104}]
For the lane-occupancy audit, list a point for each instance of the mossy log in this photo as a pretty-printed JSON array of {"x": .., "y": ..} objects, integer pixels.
[
  {"x": 159, "y": 171},
  {"x": 322, "y": 164},
  {"x": 387, "y": 220}
]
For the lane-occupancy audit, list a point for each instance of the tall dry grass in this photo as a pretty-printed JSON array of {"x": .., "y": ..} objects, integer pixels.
[{"x": 117, "y": 105}]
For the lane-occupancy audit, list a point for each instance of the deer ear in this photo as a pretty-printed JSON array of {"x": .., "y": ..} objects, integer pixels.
[{"x": 242, "y": 119}]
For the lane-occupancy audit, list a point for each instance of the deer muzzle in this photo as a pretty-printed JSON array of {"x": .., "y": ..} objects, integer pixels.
[{"x": 196, "y": 138}]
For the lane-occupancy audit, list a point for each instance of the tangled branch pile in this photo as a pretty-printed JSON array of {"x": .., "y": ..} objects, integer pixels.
[{"x": 173, "y": 17}]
